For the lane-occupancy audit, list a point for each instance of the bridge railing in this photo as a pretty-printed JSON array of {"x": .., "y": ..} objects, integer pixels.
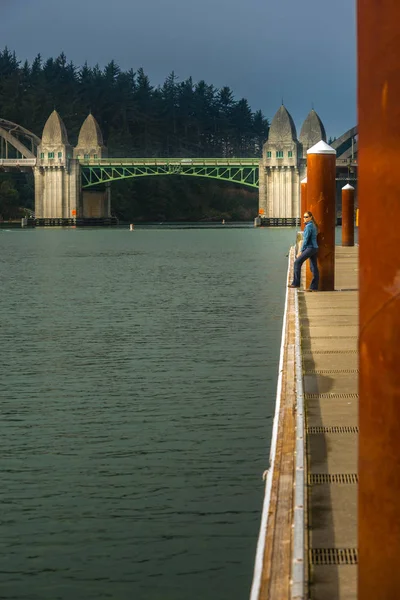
[
  {"x": 346, "y": 162},
  {"x": 17, "y": 162},
  {"x": 187, "y": 162}
]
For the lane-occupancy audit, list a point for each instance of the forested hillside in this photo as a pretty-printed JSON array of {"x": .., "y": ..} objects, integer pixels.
[{"x": 179, "y": 118}]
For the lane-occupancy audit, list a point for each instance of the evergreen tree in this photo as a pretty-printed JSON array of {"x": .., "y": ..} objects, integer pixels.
[
  {"x": 9, "y": 198},
  {"x": 184, "y": 119}
]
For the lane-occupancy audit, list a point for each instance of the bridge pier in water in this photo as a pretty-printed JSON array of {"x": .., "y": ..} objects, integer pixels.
[
  {"x": 284, "y": 165},
  {"x": 59, "y": 198}
]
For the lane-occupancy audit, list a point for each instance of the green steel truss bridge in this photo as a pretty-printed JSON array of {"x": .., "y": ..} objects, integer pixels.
[{"x": 238, "y": 170}]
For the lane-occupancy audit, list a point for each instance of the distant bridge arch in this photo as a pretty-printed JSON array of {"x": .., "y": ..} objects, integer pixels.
[
  {"x": 23, "y": 141},
  {"x": 235, "y": 170}
]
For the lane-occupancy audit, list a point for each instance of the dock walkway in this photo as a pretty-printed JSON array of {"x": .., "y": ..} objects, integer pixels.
[
  {"x": 329, "y": 342},
  {"x": 307, "y": 546}
]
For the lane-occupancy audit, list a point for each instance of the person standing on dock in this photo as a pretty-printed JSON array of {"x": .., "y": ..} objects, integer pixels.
[{"x": 309, "y": 251}]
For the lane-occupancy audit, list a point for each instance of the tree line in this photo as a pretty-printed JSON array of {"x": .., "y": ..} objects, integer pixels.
[{"x": 137, "y": 119}]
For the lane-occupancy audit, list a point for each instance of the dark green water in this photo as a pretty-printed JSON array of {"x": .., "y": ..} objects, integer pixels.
[{"x": 137, "y": 393}]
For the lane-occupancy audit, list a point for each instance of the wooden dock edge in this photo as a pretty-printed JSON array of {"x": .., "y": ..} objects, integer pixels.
[{"x": 280, "y": 571}]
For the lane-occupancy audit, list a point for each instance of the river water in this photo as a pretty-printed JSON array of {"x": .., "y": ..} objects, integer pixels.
[{"x": 137, "y": 393}]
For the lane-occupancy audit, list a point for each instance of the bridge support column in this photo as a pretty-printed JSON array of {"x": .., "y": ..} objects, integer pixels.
[
  {"x": 295, "y": 186},
  {"x": 262, "y": 190},
  {"x": 38, "y": 179},
  {"x": 96, "y": 203},
  {"x": 108, "y": 200},
  {"x": 279, "y": 194},
  {"x": 303, "y": 202},
  {"x": 74, "y": 207},
  {"x": 58, "y": 192}
]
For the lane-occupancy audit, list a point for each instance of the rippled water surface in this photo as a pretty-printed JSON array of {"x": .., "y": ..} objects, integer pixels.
[{"x": 137, "y": 393}]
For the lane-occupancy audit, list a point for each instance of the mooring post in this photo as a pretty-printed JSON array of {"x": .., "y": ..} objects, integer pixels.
[
  {"x": 379, "y": 194},
  {"x": 348, "y": 215},
  {"x": 321, "y": 191}
]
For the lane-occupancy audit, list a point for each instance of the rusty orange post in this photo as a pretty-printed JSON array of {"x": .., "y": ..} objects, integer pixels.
[
  {"x": 379, "y": 194},
  {"x": 303, "y": 200},
  {"x": 348, "y": 215},
  {"x": 321, "y": 192}
]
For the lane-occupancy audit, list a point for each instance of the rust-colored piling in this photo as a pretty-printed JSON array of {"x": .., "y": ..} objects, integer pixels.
[
  {"x": 348, "y": 215},
  {"x": 303, "y": 201},
  {"x": 321, "y": 190},
  {"x": 379, "y": 194}
]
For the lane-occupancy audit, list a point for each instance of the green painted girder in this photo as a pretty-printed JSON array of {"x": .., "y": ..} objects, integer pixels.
[{"x": 238, "y": 170}]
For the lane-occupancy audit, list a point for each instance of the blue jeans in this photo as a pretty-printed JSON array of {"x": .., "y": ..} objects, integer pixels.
[{"x": 310, "y": 253}]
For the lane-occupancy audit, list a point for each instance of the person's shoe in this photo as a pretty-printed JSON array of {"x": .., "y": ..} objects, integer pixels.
[
  {"x": 293, "y": 286},
  {"x": 311, "y": 290}
]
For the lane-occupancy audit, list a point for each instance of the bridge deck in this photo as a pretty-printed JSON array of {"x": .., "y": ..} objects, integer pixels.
[
  {"x": 17, "y": 162},
  {"x": 184, "y": 162},
  {"x": 195, "y": 162},
  {"x": 329, "y": 332}
]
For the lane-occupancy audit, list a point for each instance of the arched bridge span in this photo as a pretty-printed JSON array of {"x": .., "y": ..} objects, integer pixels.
[
  {"x": 23, "y": 142},
  {"x": 237, "y": 170}
]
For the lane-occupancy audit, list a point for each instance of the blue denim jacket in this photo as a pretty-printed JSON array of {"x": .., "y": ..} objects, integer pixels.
[{"x": 309, "y": 236}]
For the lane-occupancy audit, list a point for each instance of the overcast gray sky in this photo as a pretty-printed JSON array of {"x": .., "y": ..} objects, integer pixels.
[{"x": 303, "y": 51}]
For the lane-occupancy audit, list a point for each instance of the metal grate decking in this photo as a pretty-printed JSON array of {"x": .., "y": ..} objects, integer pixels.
[
  {"x": 329, "y": 371},
  {"x": 329, "y": 337},
  {"x": 331, "y": 429},
  {"x": 329, "y": 478},
  {"x": 330, "y": 352},
  {"x": 329, "y": 327},
  {"x": 334, "y": 556},
  {"x": 332, "y": 396}
]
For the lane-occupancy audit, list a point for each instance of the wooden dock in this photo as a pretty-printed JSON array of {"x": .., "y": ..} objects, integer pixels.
[
  {"x": 328, "y": 358},
  {"x": 329, "y": 339}
]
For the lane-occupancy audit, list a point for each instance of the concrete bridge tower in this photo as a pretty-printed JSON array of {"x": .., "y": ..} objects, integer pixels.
[
  {"x": 59, "y": 198},
  {"x": 279, "y": 170},
  {"x": 284, "y": 165},
  {"x": 90, "y": 148},
  {"x": 57, "y": 175},
  {"x": 312, "y": 132}
]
